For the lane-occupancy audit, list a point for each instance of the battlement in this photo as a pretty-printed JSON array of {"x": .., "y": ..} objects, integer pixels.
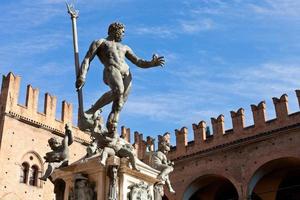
[
  {"x": 202, "y": 141},
  {"x": 28, "y": 113}
]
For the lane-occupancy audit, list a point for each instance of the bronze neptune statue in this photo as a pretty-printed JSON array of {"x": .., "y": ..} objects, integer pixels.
[{"x": 116, "y": 73}]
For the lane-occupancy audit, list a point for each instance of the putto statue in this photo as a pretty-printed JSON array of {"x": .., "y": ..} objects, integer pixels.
[
  {"x": 116, "y": 73},
  {"x": 105, "y": 145},
  {"x": 160, "y": 162},
  {"x": 59, "y": 156}
]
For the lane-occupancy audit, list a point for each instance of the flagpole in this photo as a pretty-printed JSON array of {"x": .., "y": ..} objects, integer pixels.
[{"x": 74, "y": 15}]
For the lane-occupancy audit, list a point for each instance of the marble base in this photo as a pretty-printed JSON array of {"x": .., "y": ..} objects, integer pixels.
[{"x": 128, "y": 184}]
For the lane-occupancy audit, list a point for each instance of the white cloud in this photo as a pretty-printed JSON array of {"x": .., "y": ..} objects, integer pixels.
[
  {"x": 33, "y": 45},
  {"x": 183, "y": 27},
  {"x": 196, "y": 26},
  {"x": 283, "y": 8},
  {"x": 163, "y": 32},
  {"x": 25, "y": 15}
]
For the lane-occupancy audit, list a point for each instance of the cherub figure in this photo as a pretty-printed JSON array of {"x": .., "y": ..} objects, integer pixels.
[
  {"x": 105, "y": 145},
  {"x": 160, "y": 162},
  {"x": 59, "y": 156},
  {"x": 120, "y": 148}
]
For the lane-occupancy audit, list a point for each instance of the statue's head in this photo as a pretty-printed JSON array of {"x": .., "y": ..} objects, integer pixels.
[
  {"x": 53, "y": 143},
  {"x": 164, "y": 143},
  {"x": 116, "y": 31}
]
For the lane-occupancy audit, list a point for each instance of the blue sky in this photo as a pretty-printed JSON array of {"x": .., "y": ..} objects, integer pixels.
[{"x": 220, "y": 55}]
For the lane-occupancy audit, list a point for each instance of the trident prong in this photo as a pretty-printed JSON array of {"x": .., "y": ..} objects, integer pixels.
[
  {"x": 74, "y": 15},
  {"x": 71, "y": 10}
]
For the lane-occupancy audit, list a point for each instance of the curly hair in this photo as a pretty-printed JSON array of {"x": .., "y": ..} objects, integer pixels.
[
  {"x": 114, "y": 28},
  {"x": 53, "y": 140}
]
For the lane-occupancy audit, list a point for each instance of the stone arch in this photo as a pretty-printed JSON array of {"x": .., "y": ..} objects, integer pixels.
[
  {"x": 36, "y": 168},
  {"x": 269, "y": 176},
  {"x": 35, "y": 160},
  {"x": 211, "y": 186}
]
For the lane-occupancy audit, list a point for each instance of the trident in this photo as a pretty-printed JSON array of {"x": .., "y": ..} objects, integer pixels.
[{"x": 74, "y": 15}]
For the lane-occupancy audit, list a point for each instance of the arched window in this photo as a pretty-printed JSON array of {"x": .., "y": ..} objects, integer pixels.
[
  {"x": 24, "y": 172},
  {"x": 31, "y": 169},
  {"x": 34, "y": 175}
]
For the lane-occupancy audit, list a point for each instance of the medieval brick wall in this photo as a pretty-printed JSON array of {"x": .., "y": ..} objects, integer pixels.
[
  {"x": 254, "y": 160},
  {"x": 24, "y": 134},
  {"x": 243, "y": 158}
]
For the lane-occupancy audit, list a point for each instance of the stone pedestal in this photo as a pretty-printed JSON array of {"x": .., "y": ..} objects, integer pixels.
[{"x": 89, "y": 180}]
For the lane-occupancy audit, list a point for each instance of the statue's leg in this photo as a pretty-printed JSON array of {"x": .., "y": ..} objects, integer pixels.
[
  {"x": 48, "y": 172},
  {"x": 168, "y": 183},
  {"x": 165, "y": 171},
  {"x": 105, "y": 99},
  {"x": 106, "y": 152},
  {"x": 115, "y": 82},
  {"x": 132, "y": 158},
  {"x": 127, "y": 86},
  {"x": 118, "y": 105}
]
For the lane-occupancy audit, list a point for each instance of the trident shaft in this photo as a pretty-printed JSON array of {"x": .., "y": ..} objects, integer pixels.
[{"x": 74, "y": 15}]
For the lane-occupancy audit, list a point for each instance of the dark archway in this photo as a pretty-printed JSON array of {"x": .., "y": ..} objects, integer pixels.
[
  {"x": 24, "y": 172},
  {"x": 276, "y": 180},
  {"x": 33, "y": 179},
  {"x": 165, "y": 197},
  {"x": 289, "y": 187},
  {"x": 211, "y": 187},
  {"x": 59, "y": 189}
]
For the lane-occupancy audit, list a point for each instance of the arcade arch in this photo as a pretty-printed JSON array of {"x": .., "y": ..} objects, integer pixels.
[
  {"x": 211, "y": 187},
  {"x": 278, "y": 179}
]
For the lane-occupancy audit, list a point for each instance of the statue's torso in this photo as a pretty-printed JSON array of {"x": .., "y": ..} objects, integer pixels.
[{"x": 113, "y": 53}]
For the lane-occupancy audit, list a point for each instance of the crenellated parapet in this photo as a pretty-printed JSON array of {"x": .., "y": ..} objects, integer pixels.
[
  {"x": 238, "y": 120},
  {"x": 281, "y": 107},
  {"x": 204, "y": 142},
  {"x": 181, "y": 139},
  {"x": 259, "y": 114},
  {"x": 125, "y": 133},
  {"x": 199, "y": 132},
  {"x": 140, "y": 145},
  {"x": 218, "y": 125},
  {"x": 29, "y": 113}
]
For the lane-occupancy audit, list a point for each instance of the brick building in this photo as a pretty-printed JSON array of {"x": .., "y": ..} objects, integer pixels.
[{"x": 261, "y": 161}]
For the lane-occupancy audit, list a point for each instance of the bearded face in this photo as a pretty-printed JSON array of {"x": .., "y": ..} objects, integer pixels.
[
  {"x": 119, "y": 34},
  {"x": 116, "y": 31}
]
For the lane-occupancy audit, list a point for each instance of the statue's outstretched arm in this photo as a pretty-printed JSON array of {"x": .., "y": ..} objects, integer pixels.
[
  {"x": 86, "y": 62},
  {"x": 68, "y": 140},
  {"x": 156, "y": 61}
]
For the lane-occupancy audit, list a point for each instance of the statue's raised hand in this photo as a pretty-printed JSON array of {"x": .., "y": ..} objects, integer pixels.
[
  {"x": 79, "y": 83},
  {"x": 158, "y": 60}
]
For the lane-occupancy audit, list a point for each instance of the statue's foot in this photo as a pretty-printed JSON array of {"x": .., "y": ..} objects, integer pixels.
[
  {"x": 88, "y": 120},
  {"x": 92, "y": 112},
  {"x": 43, "y": 178},
  {"x": 102, "y": 162},
  {"x": 160, "y": 177},
  {"x": 136, "y": 169},
  {"x": 172, "y": 191}
]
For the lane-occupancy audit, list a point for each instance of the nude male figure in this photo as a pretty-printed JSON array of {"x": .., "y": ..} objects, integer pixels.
[{"x": 116, "y": 73}]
